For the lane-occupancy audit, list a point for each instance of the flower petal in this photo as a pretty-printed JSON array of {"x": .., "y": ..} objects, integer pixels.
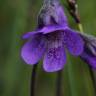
[
  {"x": 33, "y": 50},
  {"x": 62, "y": 18},
  {"x": 45, "y": 30},
  {"x": 73, "y": 42},
  {"x": 91, "y": 60},
  {"x": 30, "y": 34},
  {"x": 53, "y": 28},
  {"x": 54, "y": 58}
]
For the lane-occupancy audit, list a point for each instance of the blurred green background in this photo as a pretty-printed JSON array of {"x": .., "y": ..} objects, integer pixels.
[{"x": 18, "y": 17}]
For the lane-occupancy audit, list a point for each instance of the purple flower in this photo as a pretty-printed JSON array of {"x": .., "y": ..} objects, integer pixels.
[
  {"x": 89, "y": 53},
  {"x": 51, "y": 38}
]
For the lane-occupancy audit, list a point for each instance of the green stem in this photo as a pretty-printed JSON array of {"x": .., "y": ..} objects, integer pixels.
[
  {"x": 80, "y": 27},
  {"x": 59, "y": 83},
  {"x": 33, "y": 80}
]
